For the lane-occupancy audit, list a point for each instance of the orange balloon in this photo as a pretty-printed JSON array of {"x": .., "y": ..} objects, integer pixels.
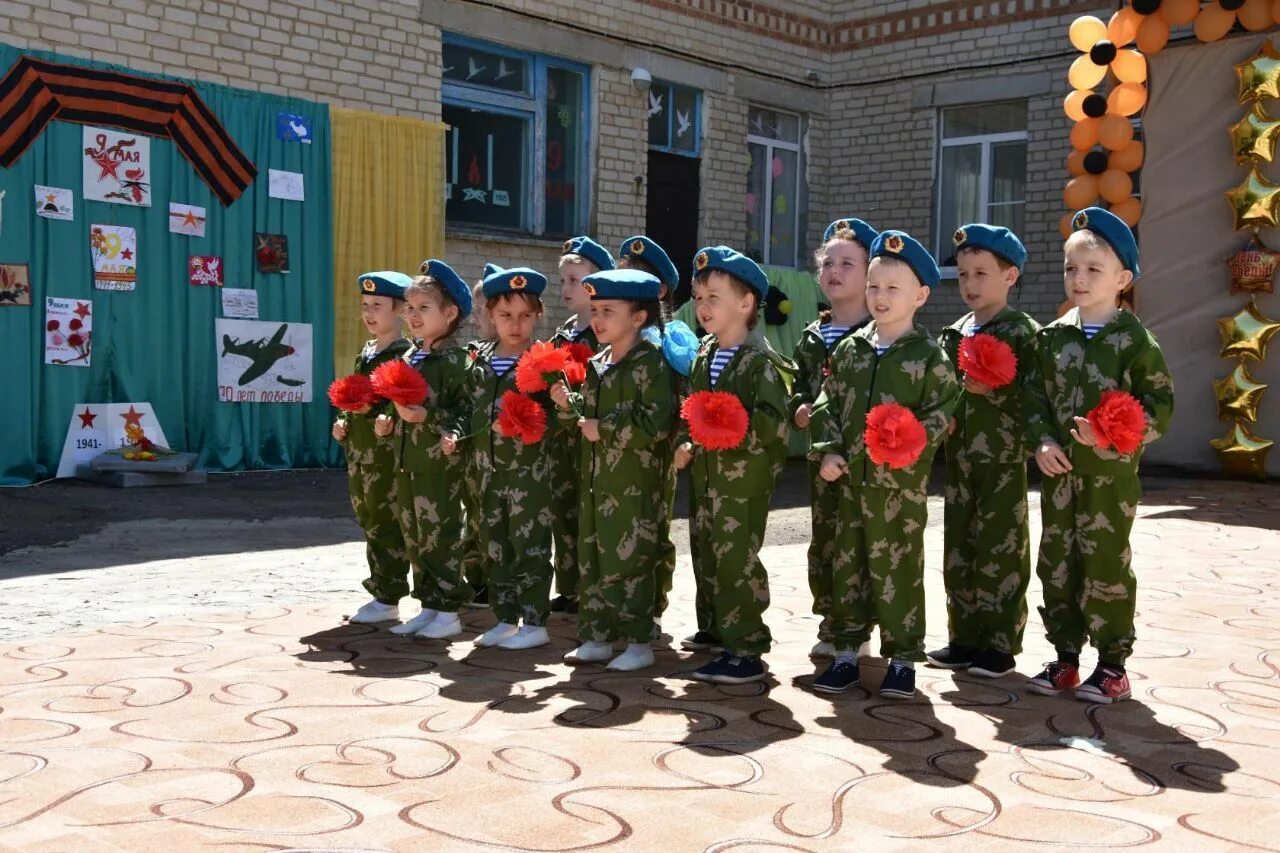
[
  {"x": 1080, "y": 192},
  {"x": 1064, "y": 224},
  {"x": 1127, "y": 99},
  {"x": 1085, "y": 134},
  {"x": 1275, "y": 11},
  {"x": 1255, "y": 15},
  {"x": 1128, "y": 158},
  {"x": 1115, "y": 186},
  {"x": 1213, "y": 22},
  {"x": 1179, "y": 12},
  {"x": 1123, "y": 26},
  {"x": 1153, "y": 35},
  {"x": 1086, "y": 31},
  {"x": 1083, "y": 74},
  {"x": 1075, "y": 163},
  {"x": 1115, "y": 132},
  {"x": 1073, "y": 105},
  {"x": 1129, "y": 66},
  {"x": 1129, "y": 210}
]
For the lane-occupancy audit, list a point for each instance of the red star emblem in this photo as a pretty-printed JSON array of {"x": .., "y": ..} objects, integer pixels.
[
  {"x": 82, "y": 309},
  {"x": 86, "y": 418},
  {"x": 132, "y": 417},
  {"x": 126, "y": 255},
  {"x": 107, "y": 165},
  {"x": 189, "y": 221}
]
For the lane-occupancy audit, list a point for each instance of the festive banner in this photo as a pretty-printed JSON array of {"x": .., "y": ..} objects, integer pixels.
[
  {"x": 115, "y": 264},
  {"x": 205, "y": 269},
  {"x": 186, "y": 219},
  {"x": 117, "y": 167},
  {"x": 68, "y": 331},
  {"x": 263, "y": 362},
  {"x": 55, "y": 203}
]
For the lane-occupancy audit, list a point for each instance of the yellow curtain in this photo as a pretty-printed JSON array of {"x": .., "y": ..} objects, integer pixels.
[{"x": 388, "y": 208}]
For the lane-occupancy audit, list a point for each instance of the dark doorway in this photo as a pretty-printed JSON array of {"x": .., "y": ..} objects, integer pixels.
[{"x": 671, "y": 213}]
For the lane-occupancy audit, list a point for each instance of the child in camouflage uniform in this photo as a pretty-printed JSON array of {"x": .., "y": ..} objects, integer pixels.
[
  {"x": 371, "y": 463},
  {"x": 878, "y": 573},
  {"x": 514, "y": 478},
  {"x": 987, "y": 562},
  {"x": 842, "y": 275},
  {"x": 472, "y": 561},
  {"x": 582, "y": 257},
  {"x": 625, "y": 412},
  {"x": 1090, "y": 495},
  {"x": 730, "y": 496},
  {"x": 429, "y": 479}
]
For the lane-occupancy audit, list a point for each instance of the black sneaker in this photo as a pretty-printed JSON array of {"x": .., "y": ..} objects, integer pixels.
[
  {"x": 899, "y": 682},
  {"x": 990, "y": 663},
  {"x": 739, "y": 670},
  {"x": 702, "y": 641},
  {"x": 839, "y": 677},
  {"x": 712, "y": 668},
  {"x": 952, "y": 656},
  {"x": 564, "y": 604}
]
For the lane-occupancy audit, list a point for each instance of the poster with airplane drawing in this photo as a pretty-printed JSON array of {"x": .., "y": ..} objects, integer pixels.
[{"x": 263, "y": 361}]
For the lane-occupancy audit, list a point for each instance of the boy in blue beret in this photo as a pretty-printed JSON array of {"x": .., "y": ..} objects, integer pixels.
[
  {"x": 1091, "y": 490},
  {"x": 987, "y": 552},
  {"x": 581, "y": 257},
  {"x": 371, "y": 479},
  {"x": 625, "y": 413},
  {"x": 514, "y": 478},
  {"x": 878, "y": 568},
  {"x": 729, "y": 501}
]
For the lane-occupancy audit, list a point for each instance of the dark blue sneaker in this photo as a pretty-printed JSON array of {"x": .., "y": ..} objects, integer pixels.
[
  {"x": 899, "y": 682},
  {"x": 738, "y": 670},
  {"x": 839, "y": 677},
  {"x": 712, "y": 668},
  {"x": 702, "y": 641}
]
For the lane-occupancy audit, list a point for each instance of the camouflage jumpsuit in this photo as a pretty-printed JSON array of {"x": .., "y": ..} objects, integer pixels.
[
  {"x": 986, "y": 543},
  {"x": 565, "y": 455},
  {"x": 429, "y": 484},
  {"x": 472, "y": 559},
  {"x": 878, "y": 571},
  {"x": 623, "y": 479},
  {"x": 1087, "y": 514},
  {"x": 730, "y": 497}
]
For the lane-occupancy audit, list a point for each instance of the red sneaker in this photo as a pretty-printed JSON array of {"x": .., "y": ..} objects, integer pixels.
[
  {"x": 1106, "y": 685},
  {"x": 1055, "y": 678}
]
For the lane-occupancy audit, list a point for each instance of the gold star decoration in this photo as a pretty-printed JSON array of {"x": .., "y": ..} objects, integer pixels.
[
  {"x": 1253, "y": 268},
  {"x": 1253, "y": 138},
  {"x": 1238, "y": 395},
  {"x": 1254, "y": 202},
  {"x": 1241, "y": 453},
  {"x": 1260, "y": 75},
  {"x": 1246, "y": 334}
]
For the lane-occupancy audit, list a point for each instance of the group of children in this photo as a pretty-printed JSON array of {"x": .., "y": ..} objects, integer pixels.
[{"x": 474, "y": 509}]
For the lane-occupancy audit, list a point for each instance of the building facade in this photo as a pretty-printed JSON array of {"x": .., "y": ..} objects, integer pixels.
[{"x": 697, "y": 121}]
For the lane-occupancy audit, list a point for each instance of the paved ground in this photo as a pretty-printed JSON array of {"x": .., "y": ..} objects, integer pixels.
[{"x": 234, "y": 708}]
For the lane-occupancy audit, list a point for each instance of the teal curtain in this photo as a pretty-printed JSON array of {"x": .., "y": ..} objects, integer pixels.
[{"x": 156, "y": 343}]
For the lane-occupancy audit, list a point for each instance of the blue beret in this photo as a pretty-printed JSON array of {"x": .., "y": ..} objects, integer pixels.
[
  {"x": 589, "y": 249},
  {"x": 1111, "y": 228},
  {"x": 452, "y": 282},
  {"x": 862, "y": 232},
  {"x": 384, "y": 283},
  {"x": 514, "y": 280},
  {"x": 735, "y": 264},
  {"x": 904, "y": 247},
  {"x": 651, "y": 253},
  {"x": 490, "y": 269},
  {"x": 999, "y": 241},
  {"x": 622, "y": 284}
]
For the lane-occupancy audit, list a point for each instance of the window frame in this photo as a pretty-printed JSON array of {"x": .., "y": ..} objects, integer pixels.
[
  {"x": 801, "y": 200},
  {"x": 531, "y": 106},
  {"x": 669, "y": 148}
]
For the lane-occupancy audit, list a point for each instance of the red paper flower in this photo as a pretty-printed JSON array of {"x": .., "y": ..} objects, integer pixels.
[
  {"x": 521, "y": 417},
  {"x": 75, "y": 324},
  {"x": 987, "y": 359},
  {"x": 575, "y": 373},
  {"x": 541, "y": 365},
  {"x": 579, "y": 352},
  {"x": 717, "y": 419},
  {"x": 352, "y": 393},
  {"x": 74, "y": 340},
  {"x": 1119, "y": 421},
  {"x": 894, "y": 437},
  {"x": 399, "y": 383},
  {"x": 52, "y": 326}
]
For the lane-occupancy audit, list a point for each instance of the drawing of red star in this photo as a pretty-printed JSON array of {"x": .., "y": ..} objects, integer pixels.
[
  {"x": 86, "y": 418},
  {"x": 190, "y": 221},
  {"x": 127, "y": 255},
  {"x": 83, "y": 309},
  {"x": 132, "y": 417},
  {"x": 107, "y": 165},
  {"x": 51, "y": 198}
]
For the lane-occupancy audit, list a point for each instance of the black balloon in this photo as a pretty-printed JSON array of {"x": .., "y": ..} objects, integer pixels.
[
  {"x": 1231, "y": 5},
  {"x": 1095, "y": 162},
  {"x": 1146, "y": 7},
  {"x": 1102, "y": 53},
  {"x": 1094, "y": 106}
]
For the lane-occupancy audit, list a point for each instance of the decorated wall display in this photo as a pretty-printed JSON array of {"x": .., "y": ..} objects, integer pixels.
[
  {"x": 68, "y": 331},
  {"x": 55, "y": 203},
  {"x": 263, "y": 362},
  {"x": 114, "y": 249},
  {"x": 186, "y": 219},
  {"x": 293, "y": 128},
  {"x": 290, "y": 186},
  {"x": 95, "y": 428},
  {"x": 205, "y": 270},
  {"x": 15, "y": 284},
  {"x": 271, "y": 252},
  {"x": 240, "y": 303},
  {"x": 117, "y": 167}
]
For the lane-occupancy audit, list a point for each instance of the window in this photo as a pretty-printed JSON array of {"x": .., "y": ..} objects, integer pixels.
[
  {"x": 675, "y": 119},
  {"x": 516, "y": 149},
  {"x": 775, "y": 186},
  {"x": 982, "y": 171}
]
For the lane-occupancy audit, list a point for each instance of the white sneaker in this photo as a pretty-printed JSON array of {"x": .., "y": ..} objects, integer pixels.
[
  {"x": 376, "y": 612},
  {"x": 823, "y": 649},
  {"x": 444, "y": 626},
  {"x": 590, "y": 652},
  {"x": 497, "y": 634},
  {"x": 637, "y": 656},
  {"x": 528, "y": 637},
  {"x": 417, "y": 623}
]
